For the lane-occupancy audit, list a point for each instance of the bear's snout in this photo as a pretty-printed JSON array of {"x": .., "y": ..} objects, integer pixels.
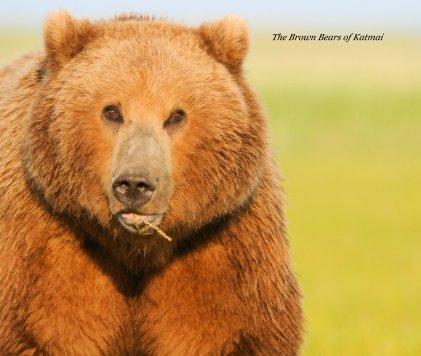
[
  {"x": 134, "y": 190},
  {"x": 141, "y": 171}
]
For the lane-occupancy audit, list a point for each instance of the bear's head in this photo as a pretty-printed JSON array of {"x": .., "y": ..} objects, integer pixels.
[{"x": 139, "y": 119}]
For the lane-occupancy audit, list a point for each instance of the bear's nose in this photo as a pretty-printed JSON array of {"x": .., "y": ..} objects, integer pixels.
[{"x": 133, "y": 191}]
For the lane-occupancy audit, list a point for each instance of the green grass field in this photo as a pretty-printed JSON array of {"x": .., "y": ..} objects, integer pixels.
[
  {"x": 345, "y": 124},
  {"x": 346, "y": 127}
]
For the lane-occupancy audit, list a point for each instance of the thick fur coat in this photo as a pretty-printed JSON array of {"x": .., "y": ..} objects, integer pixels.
[{"x": 73, "y": 280}]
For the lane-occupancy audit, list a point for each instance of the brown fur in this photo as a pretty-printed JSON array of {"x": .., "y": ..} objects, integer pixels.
[{"x": 73, "y": 282}]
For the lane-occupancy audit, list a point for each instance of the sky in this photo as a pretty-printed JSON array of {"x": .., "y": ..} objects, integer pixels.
[{"x": 398, "y": 16}]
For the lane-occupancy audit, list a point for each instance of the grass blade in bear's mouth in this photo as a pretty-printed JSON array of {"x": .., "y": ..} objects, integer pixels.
[{"x": 137, "y": 220}]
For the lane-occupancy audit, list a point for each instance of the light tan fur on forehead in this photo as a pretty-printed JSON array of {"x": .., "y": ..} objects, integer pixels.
[{"x": 226, "y": 40}]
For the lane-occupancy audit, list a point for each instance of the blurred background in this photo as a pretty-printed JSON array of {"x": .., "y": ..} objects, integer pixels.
[{"x": 345, "y": 124}]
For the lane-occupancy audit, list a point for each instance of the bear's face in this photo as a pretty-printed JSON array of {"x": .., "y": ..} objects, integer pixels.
[{"x": 144, "y": 117}]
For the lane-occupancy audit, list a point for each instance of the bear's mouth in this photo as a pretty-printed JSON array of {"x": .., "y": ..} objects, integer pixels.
[{"x": 138, "y": 223}]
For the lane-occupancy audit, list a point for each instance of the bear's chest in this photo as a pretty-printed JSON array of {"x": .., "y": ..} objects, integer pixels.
[
  {"x": 79, "y": 304},
  {"x": 83, "y": 304}
]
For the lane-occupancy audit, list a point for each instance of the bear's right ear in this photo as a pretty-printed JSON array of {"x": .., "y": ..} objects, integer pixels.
[{"x": 65, "y": 36}]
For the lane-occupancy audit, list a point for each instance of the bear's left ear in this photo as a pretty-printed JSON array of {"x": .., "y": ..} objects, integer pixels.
[
  {"x": 227, "y": 40},
  {"x": 65, "y": 36}
]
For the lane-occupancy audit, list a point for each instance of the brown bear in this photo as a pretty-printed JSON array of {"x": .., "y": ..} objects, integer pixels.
[{"x": 141, "y": 211}]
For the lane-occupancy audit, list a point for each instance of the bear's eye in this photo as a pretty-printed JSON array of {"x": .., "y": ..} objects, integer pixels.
[
  {"x": 112, "y": 113},
  {"x": 176, "y": 117}
]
